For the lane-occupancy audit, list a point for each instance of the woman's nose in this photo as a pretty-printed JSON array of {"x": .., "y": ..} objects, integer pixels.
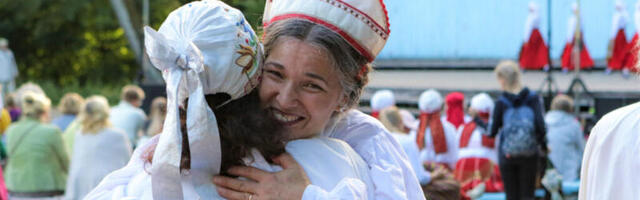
[{"x": 288, "y": 96}]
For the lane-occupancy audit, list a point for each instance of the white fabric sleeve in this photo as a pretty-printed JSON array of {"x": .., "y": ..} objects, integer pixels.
[
  {"x": 390, "y": 170},
  {"x": 615, "y": 23},
  {"x": 347, "y": 188},
  {"x": 571, "y": 28},
  {"x": 386, "y": 174},
  {"x": 389, "y": 167}
]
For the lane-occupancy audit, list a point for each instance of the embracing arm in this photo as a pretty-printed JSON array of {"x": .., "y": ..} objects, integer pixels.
[{"x": 496, "y": 119}]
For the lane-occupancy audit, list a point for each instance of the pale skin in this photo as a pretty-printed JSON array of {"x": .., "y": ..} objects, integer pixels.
[{"x": 302, "y": 89}]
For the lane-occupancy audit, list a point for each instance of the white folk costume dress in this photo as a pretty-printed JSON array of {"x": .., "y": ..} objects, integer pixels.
[
  {"x": 436, "y": 137},
  {"x": 612, "y": 157},
  {"x": 477, "y": 156},
  {"x": 380, "y": 100},
  {"x": 585, "y": 58},
  {"x": 365, "y": 25},
  {"x": 618, "y": 41},
  {"x": 534, "y": 53},
  {"x": 210, "y": 41}
]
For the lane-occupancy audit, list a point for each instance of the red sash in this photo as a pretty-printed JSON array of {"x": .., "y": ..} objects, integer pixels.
[
  {"x": 437, "y": 132},
  {"x": 466, "y": 137}
]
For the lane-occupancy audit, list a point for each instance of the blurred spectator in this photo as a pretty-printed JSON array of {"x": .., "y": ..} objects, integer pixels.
[
  {"x": 564, "y": 137},
  {"x": 477, "y": 158},
  {"x": 409, "y": 121},
  {"x": 98, "y": 149},
  {"x": 392, "y": 120},
  {"x": 5, "y": 117},
  {"x": 518, "y": 117},
  {"x": 436, "y": 137},
  {"x": 454, "y": 106},
  {"x": 8, "y": 68},
  {"x": 156, "y": 121},
  {"x": 70, "y": 105},
  {"x": 38, "y": 162},
  {"x": 11, "y": 105},
  {"x": 127, "y": 115}
]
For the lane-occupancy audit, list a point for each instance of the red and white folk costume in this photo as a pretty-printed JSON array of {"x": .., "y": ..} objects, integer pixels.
[
  {"x": 534, "y": 54},
  {"x": 631, "y": 57},
  {"x": 567, "y": 60},
  {"x": 436, "y": 137},
  {"x": 380, "y": 100},
  {"x": 365, "y": 25},
  {"x": 477, "y": 156},
  {"x": 618, "y": 41},
  {"x": 455, "y": 110}
]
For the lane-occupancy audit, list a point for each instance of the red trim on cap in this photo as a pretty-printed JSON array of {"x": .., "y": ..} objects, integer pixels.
[
  {"x": 386, "y": 15},
  {"x": 344, "y": 35},
  {"x": 386, "y": 30}
]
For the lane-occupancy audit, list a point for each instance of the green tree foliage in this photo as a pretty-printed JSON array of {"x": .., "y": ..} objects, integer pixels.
[{"x": 80, "y": 42}]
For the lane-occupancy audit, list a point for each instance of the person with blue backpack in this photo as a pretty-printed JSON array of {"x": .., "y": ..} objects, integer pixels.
[{"x": 518, "y": 121}]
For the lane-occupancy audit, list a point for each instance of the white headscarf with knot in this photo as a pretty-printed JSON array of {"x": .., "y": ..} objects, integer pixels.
[
  {"x": 382, "y": 99},
  {"x": 482, "y": 103},
  {"x": 204, "y": 47},
  {"x": 430, "y": 101}
]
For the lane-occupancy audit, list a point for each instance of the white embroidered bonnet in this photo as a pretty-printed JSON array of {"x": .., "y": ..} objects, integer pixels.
[{"x": 204, "y": 47}]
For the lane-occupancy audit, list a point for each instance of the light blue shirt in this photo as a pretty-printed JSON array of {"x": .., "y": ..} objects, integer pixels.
[
  {"x": 63, "y": 121},
  {"x": 128, "y": 118},
  {"x": 566, "y": 142}
]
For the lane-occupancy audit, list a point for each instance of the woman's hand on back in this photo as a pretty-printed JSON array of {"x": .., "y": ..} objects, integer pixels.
[{"x": 289, "y": 183}]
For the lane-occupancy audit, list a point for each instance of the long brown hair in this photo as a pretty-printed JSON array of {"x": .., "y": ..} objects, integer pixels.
[{"x": 243, "y": 126}]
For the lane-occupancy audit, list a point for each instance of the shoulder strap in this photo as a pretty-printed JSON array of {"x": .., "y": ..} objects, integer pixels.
[
  {"x": 506, "y": 101},
  {"x": 22, "y": 136}
]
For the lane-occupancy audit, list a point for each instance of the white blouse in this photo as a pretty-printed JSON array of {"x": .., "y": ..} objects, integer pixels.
[
  {"x": 611, "y": 162},
  {"x": 390, "y": 170},
  {"x": 330, "y": 165}
]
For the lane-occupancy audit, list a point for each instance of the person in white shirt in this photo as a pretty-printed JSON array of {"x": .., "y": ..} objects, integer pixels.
[
  {"x": 351, "y": 33},
  {"x": 127, "y": 115},
  {"x": 98, "y": 149},
  {"x": 436, "y": 137},
  {"x": 8, "y": 68}
]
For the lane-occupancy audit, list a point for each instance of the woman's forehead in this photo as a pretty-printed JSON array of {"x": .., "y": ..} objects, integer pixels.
[{"x": 293, "y": 52}]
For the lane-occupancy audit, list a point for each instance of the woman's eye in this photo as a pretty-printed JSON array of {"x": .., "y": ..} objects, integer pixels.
[
  {"x": 314, "y": 87},
  {"x": 275, "y": 73}
]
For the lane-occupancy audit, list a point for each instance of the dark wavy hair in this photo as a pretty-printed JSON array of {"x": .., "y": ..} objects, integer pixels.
[{"x": 243, "y": 126}]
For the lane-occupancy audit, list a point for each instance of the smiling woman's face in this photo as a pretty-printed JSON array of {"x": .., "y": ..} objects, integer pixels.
[{"x": 300, "y": 86}]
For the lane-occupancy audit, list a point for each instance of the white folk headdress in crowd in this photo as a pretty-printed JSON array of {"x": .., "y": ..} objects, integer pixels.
[
  {"x": 382, "y": 99},
  {"x": 362, "y": 23},
  {"x": 204, "y": 47},
  {"x": 482, "y": 103},
  {"x": 430, "y": 101}
]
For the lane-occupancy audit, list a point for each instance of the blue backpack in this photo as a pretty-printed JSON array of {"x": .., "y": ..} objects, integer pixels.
[{"x": 517, "y": 135}]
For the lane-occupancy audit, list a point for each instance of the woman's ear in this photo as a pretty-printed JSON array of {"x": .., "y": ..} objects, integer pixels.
[{"x": 342, "y": 104}]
